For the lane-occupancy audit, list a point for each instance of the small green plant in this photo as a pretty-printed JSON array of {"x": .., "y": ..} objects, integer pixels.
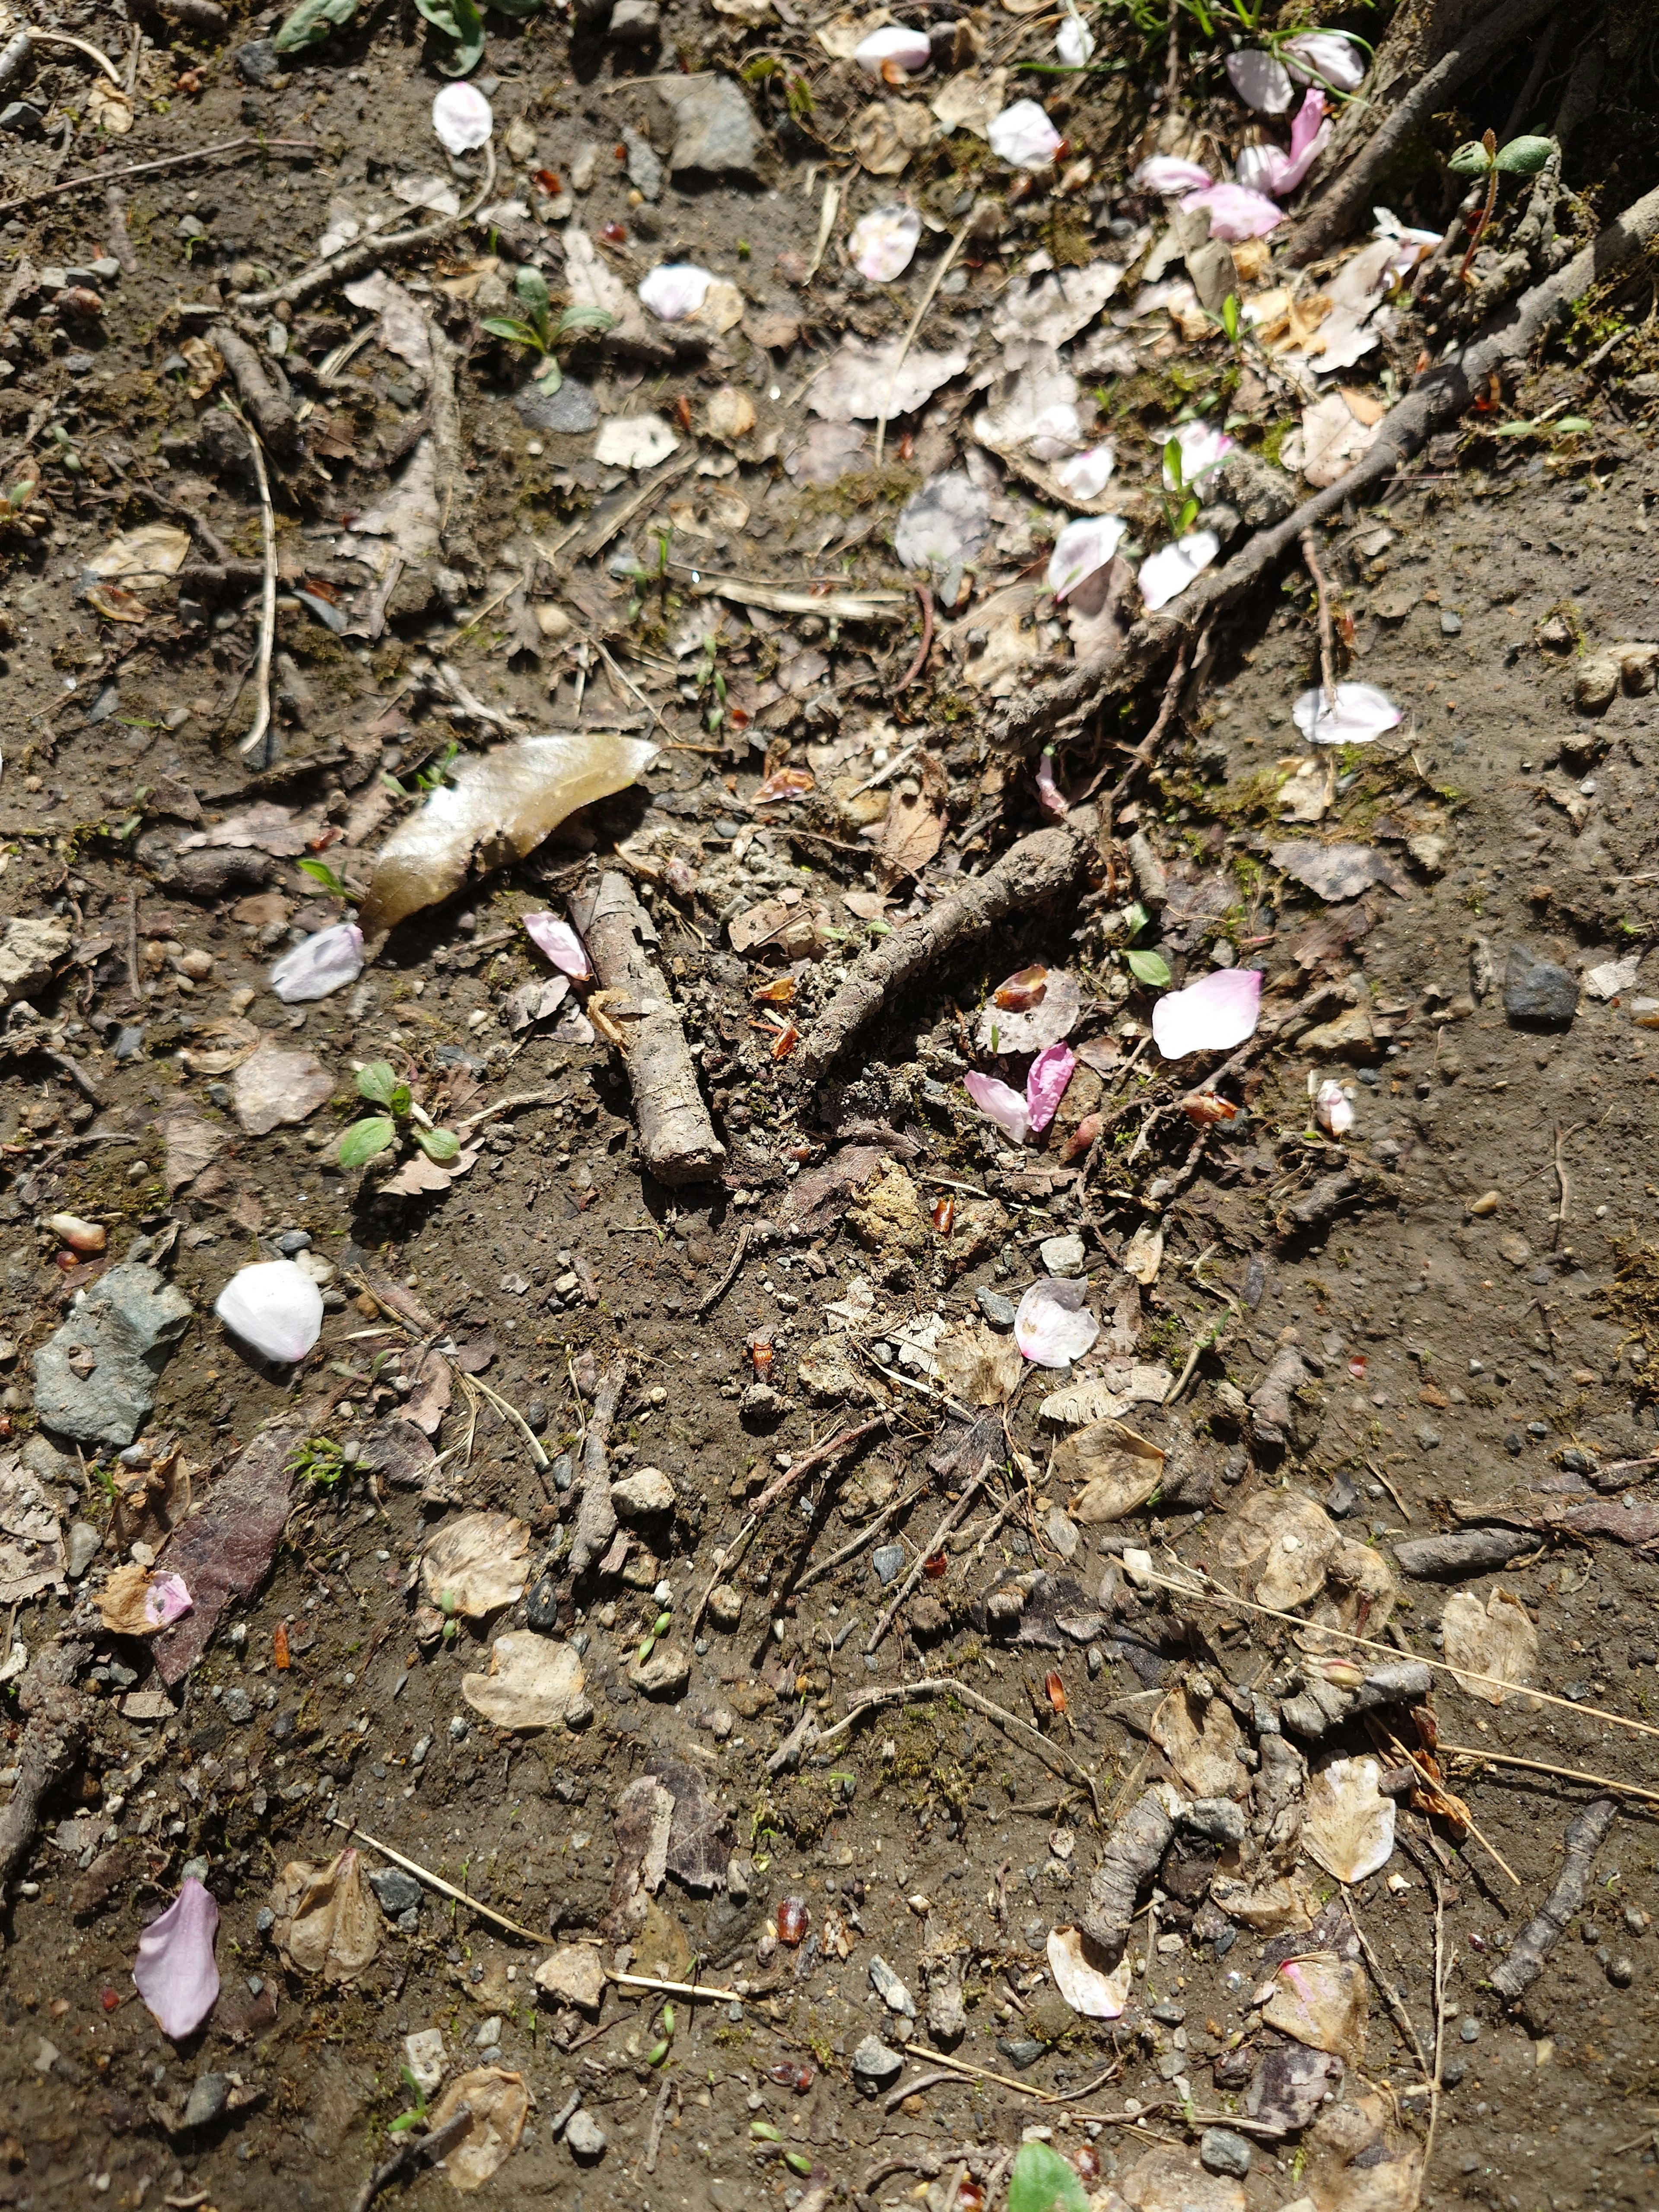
[
  {"x": 539, "y": 328},
  {"x": 416, "y": 2115},
  {"x": 426, "y": 779},
  {"x": 1484, "y": 157},
  {"x": 319, "y": 1460},
  {"x": 1179, "y": 505},
  {"x": 1043, "y": 2181},
  {"x": 365, "y": 1141},
  {"x": 321, "y": 872},
  {"x": 105, "y": 1478}
]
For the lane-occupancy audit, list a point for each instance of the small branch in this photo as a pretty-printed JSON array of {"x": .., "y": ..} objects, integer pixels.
[
  {"x": 1056, "y": 1760},
  {"x": 952, "y": 1518},
  {"x": 1542, "y": 1766},
  {"x": 414, "y": 2151},
  {"x": 1327, "y": 628},
  {"x": 368, "y": 253},
  {"x": 658, "y": 2118},
  {"x": 170, "y": 161},
  {"x": 713, "y": 1297},
  {"x": 436, "y": 1882},
  {"x": 256, "y": 745},
  {"x": 925, "y": 647},
  {"x": 1523, "y": 1964},
  {"x": 865, "y": 1535},
  {"x": 768, "y": 1498}
]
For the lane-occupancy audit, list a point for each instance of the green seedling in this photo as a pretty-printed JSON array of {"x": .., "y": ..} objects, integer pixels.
[
  {"x": 1043, "y": 2181},
  {"x": 319, "y": 1460},
  {"x": 365, "y": 1141},
  {"x": 539, "y": 329},
  {"x": 415, "y": 2117},
  {"x": 321, "y": 872},
  {"x": 425, "y": 780},
  {"x": 1484, "y": 157}
]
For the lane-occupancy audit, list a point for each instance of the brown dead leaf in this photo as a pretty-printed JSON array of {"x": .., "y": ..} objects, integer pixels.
[
  {"x": 1497, "y": 1638},
  {"x": 328, "y": 1920},
  {"x": 475, "y": 1564},
  {"x": 1119, "y": 1471},
  {"x": 499, "y": 2103},
  {"x": 976, "y": 1366},
  {"x": 192, "y": 1142},
  {"x": 887, "y": 133},
  {"x": 1201, "y": 1741},
  {"x": 1321, "y": 2001}
]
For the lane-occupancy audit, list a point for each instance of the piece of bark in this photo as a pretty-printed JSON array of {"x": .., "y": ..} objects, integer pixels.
[
  {"x": 677, "y": 1138},
  {"x": 1476, "y": 1552},
  {"x": 1332, "y": 1194},
  {"x": 1271, "y": 1411},
  {"x": 272, "y": 416},
  {"x": 1038, "y": 868},
  {"x": 224, "y": 1549},
  {"x": 1134, "y": 1850},
  {"x": 595, "y": 1516},
  {"x": 57, "y": 1714},
  {"x": 1525, "y": 1961}
]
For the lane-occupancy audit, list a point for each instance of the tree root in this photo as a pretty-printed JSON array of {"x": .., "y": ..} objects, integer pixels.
[
  {"x": 1134, "y": 1850},
  {"x": 1038, "y": 868},
  {"x": 1036, "y": 717},
  {"x": 1517, "y": 1973},
  {"x": 1328, "y": 219}
]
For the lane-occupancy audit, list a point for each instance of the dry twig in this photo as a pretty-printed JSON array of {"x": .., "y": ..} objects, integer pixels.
[{"x": 256, "y": 740}]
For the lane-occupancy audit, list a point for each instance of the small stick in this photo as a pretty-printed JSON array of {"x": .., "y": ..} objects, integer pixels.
[
  {"x": 132, "y": 947},
  {"x": 436, "y": 1882},
  {"x": 1402, "y": 2019},
  {"x": 713, "y": 1297},
  {"x": 925, "y": 647},
  {"x": 1327, "y": 630},
  {"x": 1478, "y": 1833},
  {"x": 1056, "y": 1760},
  {"x": 504, "y": 1105},
  {"x": 513, "y": 1415},
  {"x": 1146, "y": 751},
  {"x": 937, "y": 278},
  {"x": 1442, "y": 1966},
  {"x": 1405, "y": 1509},
  {"x": 1369, "y": 1643},
  {"x": 914, "y": 1576},
  {"x": 257, "y": 736},
  {"x": 170, "y": 161},
  {"x": 414, "y": 2151},
  {"x": 654, "y": 2143},
  {"x": 352, "y": 260},
  {"x": 1542, "y": 1766},
  {"x": 1561, "y": 1178},
  {"x": 672, "y": 1989},
  {"x": 896, "y": 2097},
  {"x": 851, "y": 1551},
  {"x": 768, "y": 1496}
]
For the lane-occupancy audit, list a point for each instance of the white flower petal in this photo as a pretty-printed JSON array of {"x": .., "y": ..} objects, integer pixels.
[
  {"x": 1086, "y": 475},
  {"x": 998, "y": 1103},
  {"x": 1082, "y": 548},
  {"x": 1167, "y": 573},
  {"x": 883, "y": 243},
  {"x": 461, "y": 118},
  {"x": 1329, "y": 56},
  {"x": 331, "y": 957},
  {"x": 1053, "y": 1327},
  {"x": 1213, "y": 1015},
  {"x": 1075, "y": 43},
  {"x": 1203, "y": 444},
  {"x": 1023, "y": 136},
  {"x": 1357, "y": 713},
  {"x": 1164, "y": 173},
  {"x": 275, "y": 1307},
  {"x": 675, "y": 290},
  {"x": 1260, "y": 81},
  {"x": 896, "y": 42}
]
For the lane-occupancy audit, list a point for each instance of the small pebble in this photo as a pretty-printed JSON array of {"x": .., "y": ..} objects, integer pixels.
[
  {"x": 1468, "y": 2028},
  {"x": 1621, "y": 1970}
]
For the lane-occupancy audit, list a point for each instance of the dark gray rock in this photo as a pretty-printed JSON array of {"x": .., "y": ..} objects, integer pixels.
[
  {"x": 570, "y": 409},
  {"x": 1537, "y": 993},
  {"x": 397, "y": 1892},
  {"x": 715, "y": 130},
  {"x": 1223, "y": 2152},
  {"x": 887, "y": 1559},
  {"x": 120, "y": 1334},
  {"x": 236, "y": 1704},
  {"x": 541, "y": 1607},
  {"x": 997, "y": 1310},
  {"x": 258, "y": 62},
  {"x": 209, "y": 2095}
]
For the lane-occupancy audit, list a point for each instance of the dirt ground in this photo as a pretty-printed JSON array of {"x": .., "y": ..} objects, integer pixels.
[{"x": 1476, "y": 1313}]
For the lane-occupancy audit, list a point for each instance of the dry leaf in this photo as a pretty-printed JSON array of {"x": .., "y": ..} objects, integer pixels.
[
  {"x": 109, "y": 107},
  {"x": 1347, "y": 1825},
  {"x": 1142, "y": 1255},
  {"x": 328, "y": 1920},
  {"x": 887, "y": 133},
  {"x": 1172, "y": 2180},
  {"x": 476, "y": 1564},
  {"x": 31, "y": 1544},
  {"x": 532, "y": 1681},
  {"x": 237, "y": 1041},
  {"x": 977, "y": 1367},
  {"x": 1337, "y": 871},
  {"x": 1119, "y": 1471},
  {"x": 149, "y": 555},
  {"x": 116, "y": 604},
  {"x": 271, "y": 1087},
  {"x": 1332, "y": 441},
  {"x": 1321, "y": 2001},
  {"x": 1497, "y": 1639},
  {"x": 1310, "y": 792},
  {"x": 500, "y": 2104},
  {"x": 1088, "y": 1989},
  {"x": 206, "y": 366},
  {"x": 910, "y": 835},
  {"x": 1359, "y": 2161},
  {"x": 1277, "y": 1545},
  {"x": 1271, "y": 1908},
  {"x": 969, "y": 101},
  {"x": 192, "y": 1142},
  {"x": 1201, "y": 1741}
]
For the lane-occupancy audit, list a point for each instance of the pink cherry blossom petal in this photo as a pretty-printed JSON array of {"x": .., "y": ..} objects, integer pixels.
[
  {"x": 1204, "y": 446},
  {"x": 1050, "y": 798},
  {"x": 1166, "y": 573},
  {"x": 1330, "y": 56},
  {"x": 556, "y": 938},
  {"x": 462, "y": 118},
  {"x": 1261, "y": 82},
  {"x": 1045, "y": 1084},
  {"x": 1267, "y": 169},
  {"x": 1353, "y": 715},
  {"x": 1023, "y": 136},
  {"x": 1087, "y": 474},
  {"x": 1053, "y": 1327},
  {"x": 895, "y": 42},
  {"x": 166, "y": 1597},
  {"x": 1000, "y": 1104},
  {"x": 1164, "y": 173},
  {"x": 1235, "y": 212},
  {"x": 325, "y": 962},
  {"x": 883, "y": 243},
  {"x": 1213, "y": 1015},
  {"x": 675, "y": 290},
  {"x": 1081, "y": 549},
  {"x": 175, "y": 1973}
]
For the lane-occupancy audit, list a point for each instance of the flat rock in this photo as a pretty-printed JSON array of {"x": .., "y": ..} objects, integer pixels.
[
  {"x": 1221, "y": 2151},
  {"x": 645, "y": 170},
  {"x": 715, "y": 129},
  {"x": 425, "y": 2057},
  {"x": 80, "y": 1547},
  {"x": 638, "y": 1497},
  {"x": 209, "y": 2095},
  {"x": 875, "y": 2065},
  {"x": 570, "y": 409},
  {"x": 573, "y": 1976},
  {"x": 1350, "y": 1037},
  {"x": 1537, "y": 993},
  {"x": 586, "y": 2137},
  {"x": 28, "y": 953},
  {"x": 887, "y": 1559},
  {"x": 724, "y": 1605},
  {"x": 663, "y": 1674},
  {"x": 1062, "y": 1255},
  {"x": 259, "y": 63},
  {"x": 888, "y": 1988},
  {"x": 397, "y": 1892},
  {"x": 121, "y": 1334},
  {"x": 997, "y": 1310}
]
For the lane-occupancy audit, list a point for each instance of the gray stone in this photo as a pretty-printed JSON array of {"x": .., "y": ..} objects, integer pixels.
[
  {"x": 887, "y": 1559},
  {"x": 997, "y": 1310},
  {"x": 1217, "y": 1819},
  {"x": 888, "y": 1988},
  {"x": 18, "y": 118},
  {"x": 570, "y": 409},
  {"x": 236, "y": 1704},
  {"x": 1537, "y": 992},
  {"x": 121, "y": 1334},
  {"x": 665, "y": 1673},
  {"x": 875, "y": 2066},
  {"x": 209, "y": 2095},
  {"x": 645, "y": 172},
  {"x": 1061, "y": 1532},
  {"x": 28, "y": 953},
  {"x": 258, "y": 62},
  {"x": 638, "y": 1496},
  {"x": 292, "y": 1241},
  {"x": 397, "y": 1892},
  {"x": 636, "y": 23},
  {"x": 724, "y": 1605},
  {"x": 1262, "y": 494},
  {"x": 541, "y": 1607},
  {"x": 1062, "y": 1255},
  {"x": 586, "y": 2137},
  {"x": 715, "y": 130},
  {"x": 1223, "y": 2152},
  {"x": 1468, "y": 2028},
  {"x": 80, "y": 1547}
]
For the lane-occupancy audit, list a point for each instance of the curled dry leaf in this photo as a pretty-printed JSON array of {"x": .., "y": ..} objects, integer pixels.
[
  {"x": 1347, "y": 1825},
  {"x": 1091, "y": 1990},
  {"x": 499, "y": 2103},
  {"x": 1201, "y": 1741},
  {"x": 327, "y": 1920},
  {"x": 1142, "y": 1255},
  {"x": 977, "y": 1367},
  {"x": 532, "y": 1681},
  {"x": 500, "y": 807},
  {"x": 149, "y": 554},
  {"x": 233, "y": 1043},
  {"x": 1118, "y": 1471},
  {"x": 1321, "y": 2001},
  {"x": 176, "y": 1973},
  {"x": 1497, "y": 1638},
  {"x": 135, "y": 1602},
  {"x": 476, "y": 1564}
]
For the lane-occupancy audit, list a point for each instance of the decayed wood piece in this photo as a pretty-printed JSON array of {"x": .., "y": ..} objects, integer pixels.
[
  {"x": 1033, "y": 718},
  {"x": 595, "y": 1516},
  {"x": 1039, "y": 867},
  {"x": 1525, "y": 1962},
  {"x": 57, "y": 1713},
  {"x": 1133, "y": 1851},
  {"x": 273, "y": 418},
  {"x": 677, "y": 1138}
]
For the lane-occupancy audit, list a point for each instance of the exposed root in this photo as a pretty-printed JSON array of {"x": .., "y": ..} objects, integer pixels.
[{"x": 1517, "y": 1973}]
